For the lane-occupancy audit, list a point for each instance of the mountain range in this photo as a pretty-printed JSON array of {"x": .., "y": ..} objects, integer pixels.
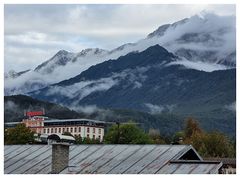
[
  {"x": 150, "y": 81},
  {"x": 184, "y": 69},
  {"x": 198, "y": 40}
]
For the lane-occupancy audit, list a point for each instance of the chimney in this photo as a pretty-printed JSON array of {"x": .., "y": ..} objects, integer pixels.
[
  {"x": 180, "y": 140},
  {"x": 60, "y": 157}
]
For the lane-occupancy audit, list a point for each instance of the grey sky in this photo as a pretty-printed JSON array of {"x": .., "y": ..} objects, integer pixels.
[{"x": 34, "y": 33}]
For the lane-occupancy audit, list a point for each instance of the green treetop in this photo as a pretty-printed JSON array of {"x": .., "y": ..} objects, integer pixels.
[
  {"x": 126, "y": 134},
  {"x": 18, "y": 135}
]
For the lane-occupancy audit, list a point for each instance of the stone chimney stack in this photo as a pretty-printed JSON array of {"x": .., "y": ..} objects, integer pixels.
[{"x": 60, "y": 157}]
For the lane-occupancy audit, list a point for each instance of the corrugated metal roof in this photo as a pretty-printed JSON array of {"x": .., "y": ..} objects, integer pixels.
[
  {"x": 226, "y": 161},
  {"x": 107, "y": 159},
  {"x": 190, "y": 167}
]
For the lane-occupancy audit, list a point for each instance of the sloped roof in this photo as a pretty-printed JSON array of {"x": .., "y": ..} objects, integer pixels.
[
  {"x": 107, "y": 159},
  {"x": 225, "y": 161},
  {"x": 190, "y": 167}
]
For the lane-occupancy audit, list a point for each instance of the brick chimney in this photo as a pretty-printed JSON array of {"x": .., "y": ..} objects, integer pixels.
[{"x": 60, "y": 157}]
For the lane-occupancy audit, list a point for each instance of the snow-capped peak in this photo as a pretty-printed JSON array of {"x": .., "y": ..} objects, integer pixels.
[
  {"x": 92, "y": 51},
  {"x": 61, "y": 58},
  {"x": 163, "y": 28},
  {"x": 205, "y": 38},
  {"x": 13, "y": 74}
]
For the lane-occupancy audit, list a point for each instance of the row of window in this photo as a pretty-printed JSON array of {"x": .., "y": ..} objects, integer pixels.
[
  {"x": 94, "y": 136},
  {"x": 32, "y": 124},
  {"x": 71, "y": 130}
]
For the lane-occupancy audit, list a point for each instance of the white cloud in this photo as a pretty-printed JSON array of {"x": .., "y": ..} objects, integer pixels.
[
  {"x": 32, "y": 80},
  {"x": 231, "y": 107},
  {"x": 158, "y": 109},
  {"x": 87, "y": 109},
  {"x": 82, "y": 89},
  {"x": 49, "y": 28},
  {"x": 28, "y": 82},
  {"x": 26, "y": 46},
  {"x": 137, "y": 84},
  {"x": 154, "y": 109},
  {"x": 198, "y": 65},
  {"x": 10, "y": 105}
]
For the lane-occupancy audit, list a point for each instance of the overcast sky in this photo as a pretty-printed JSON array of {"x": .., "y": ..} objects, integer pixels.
[{"x": 34, "y": 33}]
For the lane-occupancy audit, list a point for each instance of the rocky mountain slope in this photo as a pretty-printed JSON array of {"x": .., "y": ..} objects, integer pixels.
[
  {"x": 151, "y": 81},
  {"x": 200, "y": 41}
]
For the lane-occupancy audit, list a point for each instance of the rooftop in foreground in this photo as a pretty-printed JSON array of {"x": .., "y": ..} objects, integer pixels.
[{"x": 109, "y": 159}]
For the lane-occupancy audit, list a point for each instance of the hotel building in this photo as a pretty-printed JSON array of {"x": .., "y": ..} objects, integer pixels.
[{"x": 85, "y": 128}]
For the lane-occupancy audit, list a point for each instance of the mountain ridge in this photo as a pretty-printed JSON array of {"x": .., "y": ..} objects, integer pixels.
[
  {"x": 124, "y": 83},
  {"x": 190, "y": 44}
]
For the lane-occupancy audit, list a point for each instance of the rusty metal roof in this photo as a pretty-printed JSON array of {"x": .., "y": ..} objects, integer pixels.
[{"x": 108, "y": 159}]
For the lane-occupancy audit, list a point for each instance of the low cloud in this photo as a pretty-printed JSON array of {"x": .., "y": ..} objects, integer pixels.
[
  {"x": 10, "y": 105},
  {"x": 102, "y": 114},
  {"x": 231, "y": 107},
  {"x": 87, "y": 109},
  {"x": 198, "y": 65},
  {"x": 33, "y": 81},
  {"x": 154, "y": 109},
  {"x": 27, "y": 82},
  {"x": 158, "y": 109},
  {"x": 137, "y": 85},
  {"x": 82, "y": 89}
]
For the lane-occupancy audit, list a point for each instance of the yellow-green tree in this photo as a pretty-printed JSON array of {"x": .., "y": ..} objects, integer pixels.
[
  {"x": 18, "y": 135},
  {"x": 213, "y": 144},
  {"x": 191, "y": 128},
  {"x": 217, "y": 144}
]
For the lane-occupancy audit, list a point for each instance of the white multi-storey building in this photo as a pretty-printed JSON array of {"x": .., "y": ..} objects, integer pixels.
[
  {"x": 77, "y": 127},
  {"x": 85, "y": 128}
]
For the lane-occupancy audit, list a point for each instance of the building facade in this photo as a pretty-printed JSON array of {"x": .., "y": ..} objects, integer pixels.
[
  {"x": 36, "y": 123},
  {"x": 85, "y": 128},
  {"x": 77, "y": 127}
]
